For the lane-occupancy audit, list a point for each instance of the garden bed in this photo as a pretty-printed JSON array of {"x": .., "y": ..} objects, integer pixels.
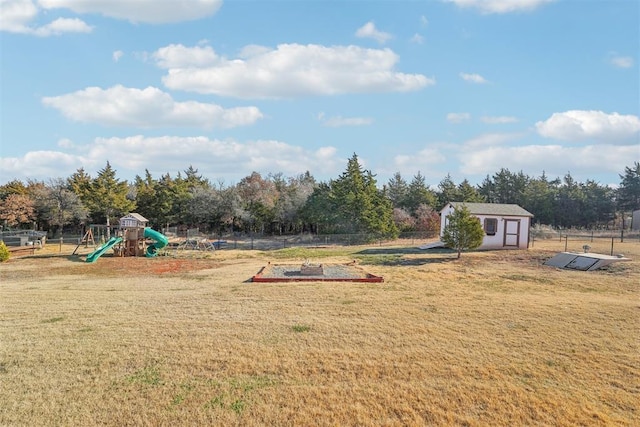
[{"x": 327, "y": 273}]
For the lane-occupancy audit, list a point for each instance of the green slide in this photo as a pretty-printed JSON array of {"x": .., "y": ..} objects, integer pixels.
[
  {"x": 160, "y": 241},
  {"x": 93, "y": 256}
]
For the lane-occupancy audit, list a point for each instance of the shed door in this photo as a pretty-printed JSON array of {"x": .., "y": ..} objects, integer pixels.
[{"x": 511, "y": 232}]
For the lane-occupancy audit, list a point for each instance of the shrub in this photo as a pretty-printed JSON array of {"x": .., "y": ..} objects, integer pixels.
[
  {"x": 4, "y": 252},
  {"x": 463, "y": 230}
]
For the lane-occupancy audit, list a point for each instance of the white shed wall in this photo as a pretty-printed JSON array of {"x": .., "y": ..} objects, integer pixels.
[{"x": 497, "y": 241}]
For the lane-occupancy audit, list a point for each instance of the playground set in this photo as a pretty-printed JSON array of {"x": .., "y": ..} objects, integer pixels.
[{"x": 130, "y": 239}]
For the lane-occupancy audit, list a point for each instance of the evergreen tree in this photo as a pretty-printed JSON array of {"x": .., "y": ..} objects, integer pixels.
[
  {"x": 397, "y": 190},
  {"x": 468, "y": 193},
  {"x": 193, "y": 179},
  {"x": 540, "y": 199},
  {"x": 379, "y": 219},
  {"x": 570, "y": 202},
  {"x": 12, "y": 187},
  {"x": 598, "y": 205},
  {"x": 419, "y": 194},
  {"x": 463, "y": 231},
  {"x": 508, "y": 187},
  {"x": 447, "y": 192},
  {"x": 80, "y": 183},
  {"x": 146, "y": 196},
  {"x": 487, "y": 189},
  {"x": 107, "y": 196},
  {"x": 361, "y": 207},
  {"x": 628, "y": 194},
  {"x": 320, "y": 210},
  {"x": 349, "y": 197}
]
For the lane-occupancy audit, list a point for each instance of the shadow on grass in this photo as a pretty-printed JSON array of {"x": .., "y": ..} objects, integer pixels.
[
  {"x": 396, "y": 256},
  {"x": 72, "y": 258},
  {"x": 403, "y": 251}
]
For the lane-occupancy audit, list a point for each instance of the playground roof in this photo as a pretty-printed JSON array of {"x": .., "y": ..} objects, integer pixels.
[{"x": 136, "y": 216}]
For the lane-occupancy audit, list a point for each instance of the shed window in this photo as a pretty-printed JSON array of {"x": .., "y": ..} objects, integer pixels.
[{"x": 490, "y": 226}]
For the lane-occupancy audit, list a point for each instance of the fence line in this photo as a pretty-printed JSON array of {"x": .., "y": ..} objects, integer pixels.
[{"x": 585, "y": 242}]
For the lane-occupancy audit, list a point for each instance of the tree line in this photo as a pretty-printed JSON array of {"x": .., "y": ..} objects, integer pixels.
[{"x": 274, "y": 204}]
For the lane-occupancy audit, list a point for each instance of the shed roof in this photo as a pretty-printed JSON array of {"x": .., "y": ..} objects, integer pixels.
[{"x": 493, "y": 209}]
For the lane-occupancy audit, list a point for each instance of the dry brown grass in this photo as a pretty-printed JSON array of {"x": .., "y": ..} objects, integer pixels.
[{"x": 494, "y": 338}]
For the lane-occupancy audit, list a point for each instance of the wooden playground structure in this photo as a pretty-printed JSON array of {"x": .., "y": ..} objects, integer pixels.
[
  {"x": 129, "y": 240},
  {"x": 133, "y": 238}
]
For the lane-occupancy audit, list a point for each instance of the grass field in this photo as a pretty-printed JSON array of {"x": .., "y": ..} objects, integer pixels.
[{"x": 495, "y": 338}]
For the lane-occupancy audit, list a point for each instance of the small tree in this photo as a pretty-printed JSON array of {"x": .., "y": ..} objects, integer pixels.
[
  {"x": 463, "y": 230},
  {"x": 17, "y": 209},
  {"x": 4, "y": 252}
]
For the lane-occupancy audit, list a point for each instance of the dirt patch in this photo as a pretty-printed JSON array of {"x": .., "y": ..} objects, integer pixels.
[{"x": 119, "y": 266}]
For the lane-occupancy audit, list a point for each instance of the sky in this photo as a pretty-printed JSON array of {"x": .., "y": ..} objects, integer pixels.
[{"x": 438, "y": 87}]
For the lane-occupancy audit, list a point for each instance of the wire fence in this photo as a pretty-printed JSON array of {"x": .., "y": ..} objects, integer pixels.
[{"x": 601, "y": 241}]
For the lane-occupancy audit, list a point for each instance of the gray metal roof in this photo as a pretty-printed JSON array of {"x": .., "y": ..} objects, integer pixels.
[{"x": 493, "y": 209}]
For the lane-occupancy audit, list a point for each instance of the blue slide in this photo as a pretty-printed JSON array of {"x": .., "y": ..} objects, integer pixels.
[
  {"x": 160, "y": 241},
  {"x": 93, "y": 256}
]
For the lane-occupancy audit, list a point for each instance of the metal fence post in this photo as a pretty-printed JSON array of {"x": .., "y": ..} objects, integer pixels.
[{"x": 612, "y": 239}]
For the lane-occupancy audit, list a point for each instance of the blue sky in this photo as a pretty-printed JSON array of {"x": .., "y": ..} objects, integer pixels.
[{"x": 459, "y": 87}]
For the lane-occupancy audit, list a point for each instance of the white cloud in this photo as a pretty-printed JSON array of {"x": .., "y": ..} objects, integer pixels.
[
  {"x": 149, "y": 11},
  {"x": 555, "y": 160},
  {"x": 146, "y": 108},
  {"x": 500, "y": 6},
  {"x": 117, "y": 55},
  {"x": 424, "y": 21},
  {"x": 417, "y": 39},
  {"x": 579, "y": 125},
  {"x": 339, "y": 121},
  {"x": 620, "y": 61},
  {"x": 370, "y": 31},
  {"x": 290, "y": 70},
  {"x": 65, "y": 143},
  {"x": 180, "y": 56},
  {"x": 418, "y": 161},
  {"x": 473, "y": 78},
  {"x": 171, "y": 154},
  {"x": 491, "y": 139},
  {"x": 458, "y": 117},
  {"x": 498, "y": 119},
  {"x": 16, "y": 16},
  {"x": 40, "y": 165},
  {"x": 61, "y": 26}
]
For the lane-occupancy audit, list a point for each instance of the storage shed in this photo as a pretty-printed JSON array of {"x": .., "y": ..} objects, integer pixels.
[{"x": 506, "y": 226}]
